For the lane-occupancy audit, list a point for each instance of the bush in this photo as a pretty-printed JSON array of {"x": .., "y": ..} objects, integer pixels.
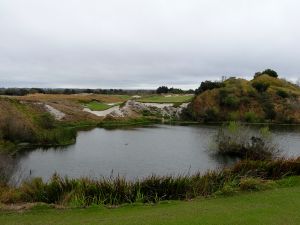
[
  {"x": 211, "y": 115},
  {"x": 233, "y": 116},
  {"x": 162, "y": 90},
  {"x": 240, "y": 141},
  {"x": 268, "y": 106},
  {"x": 251, "y": 117},
  {"x": 257, "y": 74},
  {"x": 282, "y": 93},
  {"x": 208, "y": 85},
  {"x": 270, "y": 72},
  {"x": 260, "y": 86},
  {"x": 231, "y": 102}
]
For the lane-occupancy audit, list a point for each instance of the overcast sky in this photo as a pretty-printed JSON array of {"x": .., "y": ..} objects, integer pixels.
[{"x": 145, "y": 43}]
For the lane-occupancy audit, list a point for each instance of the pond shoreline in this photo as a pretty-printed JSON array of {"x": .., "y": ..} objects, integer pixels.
[{"x": 128, "y": 123}]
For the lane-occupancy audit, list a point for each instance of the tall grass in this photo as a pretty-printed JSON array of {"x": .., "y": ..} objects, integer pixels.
[{"x": 118, "y": 190}]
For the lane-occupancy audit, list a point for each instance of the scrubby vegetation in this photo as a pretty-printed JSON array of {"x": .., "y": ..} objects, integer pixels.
[{"x": 266, "y": 98}]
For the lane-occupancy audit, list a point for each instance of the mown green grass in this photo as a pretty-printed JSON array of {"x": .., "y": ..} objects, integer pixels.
[
  {"x": 98, "y": 106},
  {"x": 274, "y": 206},
  {"x": 164, "y": 99}
]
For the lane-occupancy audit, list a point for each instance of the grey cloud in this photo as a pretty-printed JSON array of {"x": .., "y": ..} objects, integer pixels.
[{"x": 143, "y": 44}]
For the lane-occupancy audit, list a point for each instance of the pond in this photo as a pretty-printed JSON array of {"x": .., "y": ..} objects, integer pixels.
[{"x": 137, "y": 153}]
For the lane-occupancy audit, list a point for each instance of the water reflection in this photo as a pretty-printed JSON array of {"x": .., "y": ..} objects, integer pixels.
[{"x": 136, "y": 153}]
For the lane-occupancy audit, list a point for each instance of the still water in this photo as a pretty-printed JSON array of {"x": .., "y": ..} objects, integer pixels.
[{"x": 138, "y": 152}]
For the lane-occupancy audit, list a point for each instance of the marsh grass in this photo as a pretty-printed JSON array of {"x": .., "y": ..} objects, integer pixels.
[{"x": 245, "y": 175}]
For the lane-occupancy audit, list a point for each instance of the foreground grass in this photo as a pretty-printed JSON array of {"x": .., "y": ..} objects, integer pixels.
[
  {"x": 276, "y": 206},
  {"x": 166, "y": 99}
]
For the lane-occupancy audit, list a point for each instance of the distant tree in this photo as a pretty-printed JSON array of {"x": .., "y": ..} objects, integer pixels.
[
  {"x": 162, "y": 90},
  {"x": 175, "y": 91},
  {"x": 270, "y": 72},
  {"x": 257, "y": 74},
  {"x": 208, "y": 85},
  {"x": 190, "y": 91}
]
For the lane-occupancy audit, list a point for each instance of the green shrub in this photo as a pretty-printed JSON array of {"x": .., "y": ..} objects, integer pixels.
[
  {"x": 251, "y": 117},
  {"x": 229, "y": 188},
  {"x": 208, "y": 85},
  {"x": 260, "y": 86},
  {"x": 245, "y": 100},
  {"x": 232, "y": 102},
  {"x": 270, "y": 72},
  {"x": 268, "y": 106},
  {"x": 282, "y": 93},
  {"x": 233, "y": 116},
  {"x": 211, "y": 115}
]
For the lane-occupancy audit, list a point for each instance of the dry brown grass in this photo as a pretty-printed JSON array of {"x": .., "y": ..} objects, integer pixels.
[
  {"x": 74, "y": 97},
  {"x": 71, "y": 105}
]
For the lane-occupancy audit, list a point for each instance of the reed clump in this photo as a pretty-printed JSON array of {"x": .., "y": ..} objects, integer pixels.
[{"x": 241, "y": 141}]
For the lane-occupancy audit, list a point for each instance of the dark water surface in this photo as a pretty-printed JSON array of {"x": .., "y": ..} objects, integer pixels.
[{"x": 137, "y": 153}]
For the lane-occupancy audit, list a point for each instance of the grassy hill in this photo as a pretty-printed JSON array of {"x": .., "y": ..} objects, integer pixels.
[{"x": 263, "y": 99}]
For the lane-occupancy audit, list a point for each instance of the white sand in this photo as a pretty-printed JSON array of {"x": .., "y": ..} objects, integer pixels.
[
  {"x": 56, "y": 113},
  {"x": 115, "y": 109},
  {"x": 157, "y": 105}
]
